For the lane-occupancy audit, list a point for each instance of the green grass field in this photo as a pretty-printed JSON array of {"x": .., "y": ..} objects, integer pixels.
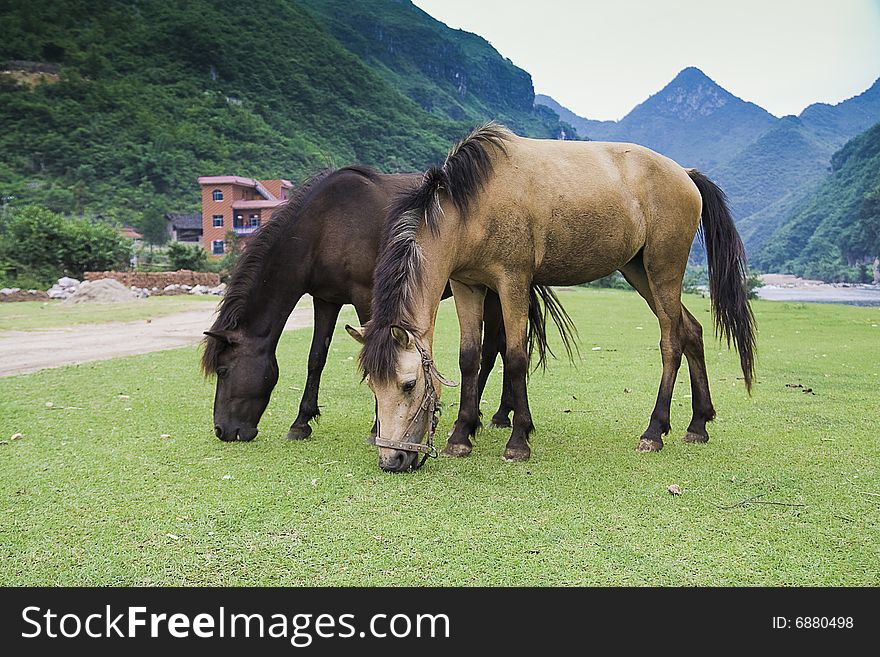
[
  {"x": 121, "y": 482},
  {"x": 30, "y": 315}
]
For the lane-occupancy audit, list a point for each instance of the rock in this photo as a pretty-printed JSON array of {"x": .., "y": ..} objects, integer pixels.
[
  {"x": 674, "y": 489},
  {"x": 67, "y": 281}
]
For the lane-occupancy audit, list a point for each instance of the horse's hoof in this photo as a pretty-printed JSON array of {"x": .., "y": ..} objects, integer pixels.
[
  {"x": 691, "y": 437},
  {"x": 650, "y": 445},
  {"x": 300, "y": 432},
  {"x": 371, "y": 439},
  {"x": 457, "y": 449},
  {"x": 501, "y": 423},
  {"x": 517, "y": 454}
]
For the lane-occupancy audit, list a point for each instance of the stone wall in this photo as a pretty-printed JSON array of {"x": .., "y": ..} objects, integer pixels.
[{"x": 159, "y": 279}]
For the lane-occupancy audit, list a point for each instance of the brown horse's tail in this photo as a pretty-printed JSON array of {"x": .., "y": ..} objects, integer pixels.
[
  {"x": 543, "y": 302},
  {"x": 727, "y": 274}
]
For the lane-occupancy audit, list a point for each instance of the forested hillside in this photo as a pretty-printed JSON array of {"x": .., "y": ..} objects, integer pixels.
[
  {"x": 449, "y": 73},
  {"x": 115, "y": 108},
  {"x": 834, "y": 230}
]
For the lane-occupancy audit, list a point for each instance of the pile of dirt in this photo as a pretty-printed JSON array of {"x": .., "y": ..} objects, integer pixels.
[{"x": 105, "y": 290}]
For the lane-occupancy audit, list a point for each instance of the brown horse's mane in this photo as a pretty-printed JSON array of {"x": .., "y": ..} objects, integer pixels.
[
  {"x": 249, "y": 270},
  {"x": 399, "y": 267}
]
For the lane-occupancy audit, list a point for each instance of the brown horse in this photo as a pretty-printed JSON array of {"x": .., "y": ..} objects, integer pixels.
[
  {"x": 324, "y": 242},
  {"x": 505, "y": 212}
]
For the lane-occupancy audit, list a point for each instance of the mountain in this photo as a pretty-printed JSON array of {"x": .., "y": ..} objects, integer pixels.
[
  {"x": 837, "y": 123},
  {"x": 785, "y": 158},
  {"x": 114, "y": 107},
  {"x": 692, "y": 120},
  {"x": 828, "y": 233},
  {"x": 588, "y": 128},
  {"x": 450, "y": 73}
]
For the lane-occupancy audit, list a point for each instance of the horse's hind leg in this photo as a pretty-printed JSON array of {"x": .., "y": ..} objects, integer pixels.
[
  {"x": 469, "y": 306},
  {"x": 692, "y": 339},
  {"x": 701, "y": 400},
  {"x": 325, "y": 321},
  {"x": 493, "y": 344},
  {"x": 515, "y": 305},
  {"x": 662, "y": 290}
]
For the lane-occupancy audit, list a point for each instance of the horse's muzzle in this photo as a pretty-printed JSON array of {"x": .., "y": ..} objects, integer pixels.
[
  {"x": 396, "y": 460},
  {"x": 233, "y": 434}
]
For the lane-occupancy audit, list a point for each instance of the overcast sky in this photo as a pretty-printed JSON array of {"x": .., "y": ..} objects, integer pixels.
[{"x": 600, "y": 59}]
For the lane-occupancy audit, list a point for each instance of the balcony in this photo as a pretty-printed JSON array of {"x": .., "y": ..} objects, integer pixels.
[{"x": 245, "y": 230}]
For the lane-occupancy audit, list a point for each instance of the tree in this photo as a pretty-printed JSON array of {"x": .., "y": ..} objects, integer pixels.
[
  {"x": 869, "y": 223},
  {"x": 233, "y": 251},
  {"x": 153, "y": 225},
  {"x": 194, "y": 258},
  {"x": 38, "y": 245}
]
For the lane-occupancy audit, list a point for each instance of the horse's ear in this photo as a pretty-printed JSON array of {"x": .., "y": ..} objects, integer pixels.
[
  {"x": 223, "y": 336},
  {"x": 401, "y": 336},
  {"x": 356, "y": 333}
]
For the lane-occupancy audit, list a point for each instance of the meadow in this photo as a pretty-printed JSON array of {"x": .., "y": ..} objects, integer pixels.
[
  {"x": 117, "y": 478},
  {"x": 32, "y": 315}
]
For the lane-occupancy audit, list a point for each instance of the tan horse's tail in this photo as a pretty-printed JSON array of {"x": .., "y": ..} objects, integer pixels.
[
  {"x": 543, "y": 302},
  {"x": 728, "y": 271}
]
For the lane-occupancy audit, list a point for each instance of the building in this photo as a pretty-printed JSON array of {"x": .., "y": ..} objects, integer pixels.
[
  {"x": 185, "y": 227},
  {"x": 240, "y": 205},
  {"x": 131, "y": 233}
]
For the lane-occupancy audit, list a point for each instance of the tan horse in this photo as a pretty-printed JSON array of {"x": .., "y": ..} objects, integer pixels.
[{"x": 505, "y": 212}]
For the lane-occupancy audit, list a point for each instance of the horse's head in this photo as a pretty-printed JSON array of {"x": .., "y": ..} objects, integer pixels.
[
  {"x": 246, "y": 372},
  {"x": 406, "y": 400}
]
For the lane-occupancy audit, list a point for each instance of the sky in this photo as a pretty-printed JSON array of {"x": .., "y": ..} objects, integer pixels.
[{"x": 600, "y": 59}]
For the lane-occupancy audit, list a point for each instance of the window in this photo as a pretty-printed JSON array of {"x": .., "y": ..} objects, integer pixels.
[
  {"x": 218, "y": 221},
  {"x": 218, "y": 195},
  {"x": 218, "y": 247},
  {"x": 254, "y": 220}
]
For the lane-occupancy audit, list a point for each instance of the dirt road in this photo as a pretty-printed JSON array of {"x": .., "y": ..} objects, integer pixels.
[
  {"x": 784, "y": 287},
  {"x": 29, "y": 351}
]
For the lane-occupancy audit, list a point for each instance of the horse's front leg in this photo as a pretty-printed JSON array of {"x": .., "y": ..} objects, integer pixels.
[
  {"x": 493, "y": 344},
  {"x": 515, "y": 306},
  {"x": 325, "y": 321},
  {"x": 469, "y": 306}
]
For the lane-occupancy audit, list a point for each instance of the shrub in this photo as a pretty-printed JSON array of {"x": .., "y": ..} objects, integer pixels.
[
  {"x": 614, "y": 280},
  {"x": 38, "y": 246},
  {"x": 753, "y": 283},
  {"x": 233, "y": 250},
  {"x": 192, "y": 257}
]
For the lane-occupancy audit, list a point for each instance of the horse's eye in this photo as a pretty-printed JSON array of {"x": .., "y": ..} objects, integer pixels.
[
  {"x": 222, "y": 371},
  {"x": 408, "y": 386}
]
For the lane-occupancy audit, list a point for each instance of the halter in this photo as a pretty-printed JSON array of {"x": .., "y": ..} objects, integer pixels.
[{"x": 429, "y": 405}]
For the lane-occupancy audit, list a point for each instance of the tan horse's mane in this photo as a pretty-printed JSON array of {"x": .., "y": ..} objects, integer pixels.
[{"x": 399, "y": 267}]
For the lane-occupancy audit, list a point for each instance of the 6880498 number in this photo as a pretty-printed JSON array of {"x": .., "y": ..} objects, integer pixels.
[{"x": 823, "y": 622}]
